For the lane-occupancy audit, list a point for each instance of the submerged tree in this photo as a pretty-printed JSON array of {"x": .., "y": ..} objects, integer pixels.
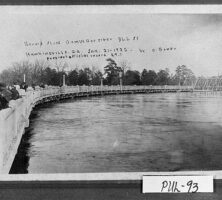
[
  {"x": 148, "y": 77},
  {"x": 163, "y": 77},
  {"x": 83, "y": 78},
  {"x": 184, "y": 75},
  {"x": 51, "y": 77},
  {"x": 96, "y": 77},
  {"x": 113, "y": 72},
  {"x": 131, "y": 78},
  {"x": 73, "y": 77}
]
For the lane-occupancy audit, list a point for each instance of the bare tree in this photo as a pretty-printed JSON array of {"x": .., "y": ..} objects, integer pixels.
[
  {"x": 61, "y": 66},
  {"x": 125, "y": 65}
]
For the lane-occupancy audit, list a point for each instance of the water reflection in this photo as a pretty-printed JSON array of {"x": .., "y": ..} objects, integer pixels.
[{"x": 143, "y": 132}]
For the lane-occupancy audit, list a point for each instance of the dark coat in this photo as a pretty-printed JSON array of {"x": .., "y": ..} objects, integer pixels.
[{"x": 15, "y": 93}]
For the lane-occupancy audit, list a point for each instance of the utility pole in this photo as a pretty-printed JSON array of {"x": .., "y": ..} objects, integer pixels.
[
  {"x": 121, "y": 80},
  {"x": 101, "y": 81}
]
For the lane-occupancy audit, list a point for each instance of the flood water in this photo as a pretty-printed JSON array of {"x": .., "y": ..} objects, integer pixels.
[{"x": 121, "y": 133}]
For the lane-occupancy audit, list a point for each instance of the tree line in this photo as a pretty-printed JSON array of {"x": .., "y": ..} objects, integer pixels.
[{"x": 41, "y": 72}]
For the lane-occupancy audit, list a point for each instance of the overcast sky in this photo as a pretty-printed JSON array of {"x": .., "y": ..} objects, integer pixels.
[{"x": 197, "y": 38}]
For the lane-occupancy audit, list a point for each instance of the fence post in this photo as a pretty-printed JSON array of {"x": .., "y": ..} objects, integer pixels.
[{"x": 63, "y": 80}]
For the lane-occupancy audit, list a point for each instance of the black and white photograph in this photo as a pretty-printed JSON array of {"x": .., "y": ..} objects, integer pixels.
[{"x": 111, "y": 93}]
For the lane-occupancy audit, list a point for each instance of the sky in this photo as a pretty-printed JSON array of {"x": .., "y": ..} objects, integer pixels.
[{"x": 195, "y": 39}]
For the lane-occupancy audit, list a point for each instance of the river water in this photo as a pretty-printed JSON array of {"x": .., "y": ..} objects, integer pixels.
[{"x": 120, "y": 133}]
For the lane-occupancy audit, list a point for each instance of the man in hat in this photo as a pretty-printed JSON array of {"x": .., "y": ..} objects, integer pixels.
[{"x": 5, "y": 96}]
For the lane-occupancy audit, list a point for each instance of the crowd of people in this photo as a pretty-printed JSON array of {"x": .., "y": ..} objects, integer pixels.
[{"x": 8, "y": 93}]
